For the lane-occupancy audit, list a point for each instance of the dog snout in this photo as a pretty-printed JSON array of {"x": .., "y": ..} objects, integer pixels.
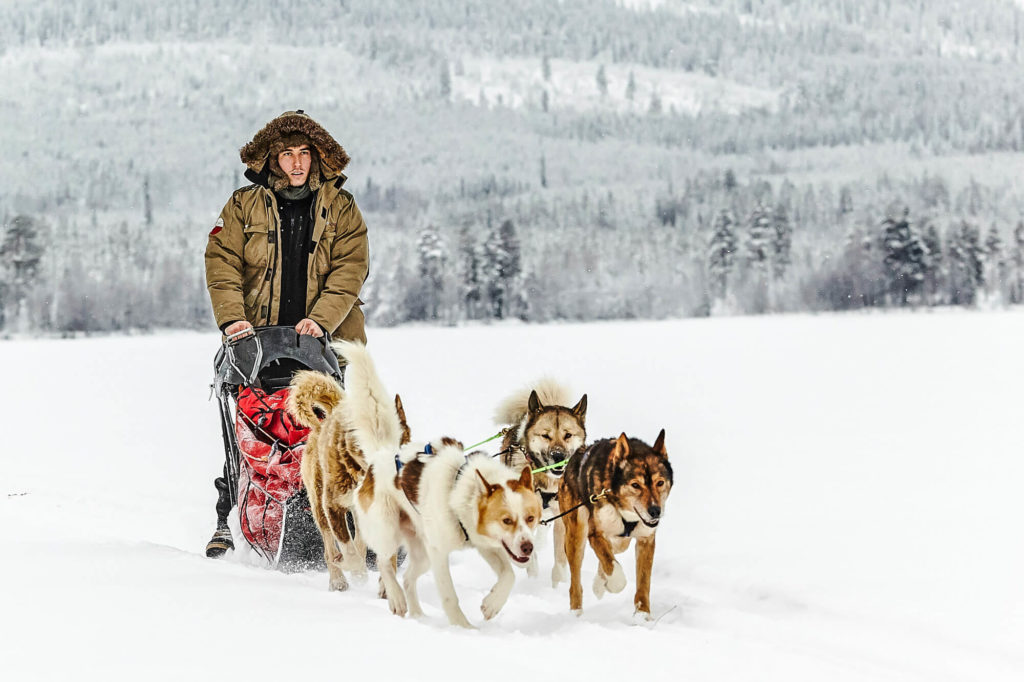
[
  {"x": 654, "y": 511},
  {"x": 526, "y": 548}
]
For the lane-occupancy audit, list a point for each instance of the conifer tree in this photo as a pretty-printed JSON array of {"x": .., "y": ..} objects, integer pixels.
[
  {"x": 502, "y": 268},
  {"x": 904, "y": 256},
  {"x": 933, "y": 263},
  {"x": 20, "y": 253},
  {"x": 721, "y": 254},
  {"x": 431, "y": 261},
  {"x": 966, "y": 264},
  {"x": 1017, "y": 293},
  {"x": 782, "y": 241}
]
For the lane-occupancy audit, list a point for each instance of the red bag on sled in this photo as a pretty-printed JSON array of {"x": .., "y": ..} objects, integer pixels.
[{"x": 271, "y": 444}]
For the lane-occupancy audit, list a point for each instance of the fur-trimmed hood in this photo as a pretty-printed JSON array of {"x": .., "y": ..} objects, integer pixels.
[{"x": 333, "y": 157}]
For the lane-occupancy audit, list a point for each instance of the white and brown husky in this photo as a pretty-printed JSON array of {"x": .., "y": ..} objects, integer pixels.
[
  {"x": 542, "y": 432},
  {"x": 433, "y": 499}
]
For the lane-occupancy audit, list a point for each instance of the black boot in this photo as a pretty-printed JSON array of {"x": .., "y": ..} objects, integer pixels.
[{"x": 221, "y": 541}]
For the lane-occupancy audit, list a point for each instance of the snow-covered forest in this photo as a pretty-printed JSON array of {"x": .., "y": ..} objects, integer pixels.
[{"x": 539, "y": 160}]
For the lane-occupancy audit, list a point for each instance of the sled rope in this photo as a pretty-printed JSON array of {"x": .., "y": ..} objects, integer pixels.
[
  {"x": 499, "y": 434},
  {"x": 593, "y": 498}
]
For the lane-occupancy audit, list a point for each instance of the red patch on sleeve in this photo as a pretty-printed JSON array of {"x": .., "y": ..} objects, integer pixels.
[{"x": 216, "y": 230}]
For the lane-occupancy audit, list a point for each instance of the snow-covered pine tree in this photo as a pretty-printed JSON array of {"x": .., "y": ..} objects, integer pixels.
[
  {"x": 21, "y": 249},
  {"x": 1017, "y": 258},
  {"x": 995, "y": 264},
  {"x": 904, "y": 256},
  {"x": 431, "y": 261},
  {"x": 934, "y": 264},
  {"x": 758, "y": 248},
  {"x": 470, "y": 289},
  {"x": 721, "y": 254},
  {"x": 966, "y": 264},
  {"x": 782, "y": 241},
  {"x": 502, "y": 267}
]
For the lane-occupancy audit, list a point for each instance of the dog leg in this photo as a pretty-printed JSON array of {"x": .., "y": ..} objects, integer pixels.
[
  {"x": 396, "y": 597},
  {"x": 575, "y": 542},
  {"x": 610, "y": 575},
  {"x": 644, "y": 564},
  {"x": 559, "y": 571},
  {"x": 419, "y": 563},
  {"x": 332, "y": 553},
  {"x": 498, "y": 595},
  {"x": 350, "y": 556},
  {"x": 446, "y": 588}
]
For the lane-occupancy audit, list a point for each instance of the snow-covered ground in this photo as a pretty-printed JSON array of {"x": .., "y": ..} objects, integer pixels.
[{"x": 847, "y": 506}]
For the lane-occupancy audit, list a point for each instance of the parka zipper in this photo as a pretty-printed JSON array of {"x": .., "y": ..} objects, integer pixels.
[{"x": 273, "y": 219}]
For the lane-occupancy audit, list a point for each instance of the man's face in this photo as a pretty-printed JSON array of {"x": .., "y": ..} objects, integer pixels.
[{"x": 294, "y": 161}]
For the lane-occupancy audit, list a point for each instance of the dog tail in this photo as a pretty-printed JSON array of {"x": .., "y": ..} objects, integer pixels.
[
  {"x": 313, "y": 396},
  {"x": 515, "y": 407},
  {"x": 369, "y": 408}
]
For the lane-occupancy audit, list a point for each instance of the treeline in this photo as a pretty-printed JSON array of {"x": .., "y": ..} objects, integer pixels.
[{"x": 714, "y": 245}]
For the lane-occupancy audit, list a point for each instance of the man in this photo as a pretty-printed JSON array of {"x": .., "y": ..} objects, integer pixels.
[{"x": 290, "y": 249}]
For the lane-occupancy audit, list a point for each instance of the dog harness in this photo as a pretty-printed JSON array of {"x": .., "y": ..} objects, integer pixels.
[{"x": 427, "y": 450}]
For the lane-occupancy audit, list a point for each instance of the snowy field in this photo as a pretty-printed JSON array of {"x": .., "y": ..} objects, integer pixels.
[{"x": 848, "y": 506}]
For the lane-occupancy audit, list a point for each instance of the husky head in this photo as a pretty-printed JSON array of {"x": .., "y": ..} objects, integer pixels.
[
  {"x": 641, "y": 479},
  {"x": 554, "y": 432},
  {"x": 508, "y": 514}
]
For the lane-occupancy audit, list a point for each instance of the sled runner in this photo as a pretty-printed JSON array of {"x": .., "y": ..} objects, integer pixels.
[{"x": 263, "y": 445}]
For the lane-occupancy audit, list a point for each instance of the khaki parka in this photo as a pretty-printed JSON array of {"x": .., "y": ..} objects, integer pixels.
[{"x": 243, "y": 261}]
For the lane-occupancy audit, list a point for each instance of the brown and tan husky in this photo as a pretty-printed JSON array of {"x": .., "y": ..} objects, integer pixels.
[
  {"x": 619, "y": 489},
  {"x": 332, "y": 468},
  {"x": 542, "y": 431}
]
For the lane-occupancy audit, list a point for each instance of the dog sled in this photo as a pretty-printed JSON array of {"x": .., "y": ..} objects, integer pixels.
[{"x": 263, "y": 445}]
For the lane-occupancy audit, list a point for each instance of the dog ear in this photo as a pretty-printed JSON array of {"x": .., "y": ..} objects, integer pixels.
[
  {"x": 488, "y": 488},
  {"x": 620, "y": 449},
  {"x": 534, "y": 404},
  {"x": 406, "y": 433},
  {"x": 526, "y": 478},
  {"x": 659, "y": 444},
  {"x": 580, "y": 410}
]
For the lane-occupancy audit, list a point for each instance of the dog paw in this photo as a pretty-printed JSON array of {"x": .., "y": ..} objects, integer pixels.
[
  {"x": 616, "y": 582},
  {"x": 557, "y": 575},
  {"x": 600, "y": 584},
  {"x": 463, "y": 623},
  {"x": 338, "y": 584},
  {"x": 396, "y": 602},
  {"x": 491, "y": 606},
  {"x": 531, "y": 567},
  {"x": 382, "y": 592},
  {"x": 641, "y": 617},
  {"x": 576, "y": 612}
]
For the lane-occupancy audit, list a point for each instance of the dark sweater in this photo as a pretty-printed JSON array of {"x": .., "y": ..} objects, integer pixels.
[{"x": 296, "y": 233}]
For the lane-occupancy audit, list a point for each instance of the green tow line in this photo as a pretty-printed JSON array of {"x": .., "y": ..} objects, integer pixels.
[{"x": 501, "y": 433}]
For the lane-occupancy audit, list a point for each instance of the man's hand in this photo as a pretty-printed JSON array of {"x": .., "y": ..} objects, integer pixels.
[
  {"x": 239, "y": 326},
  {"x": 308, "y": 326}
]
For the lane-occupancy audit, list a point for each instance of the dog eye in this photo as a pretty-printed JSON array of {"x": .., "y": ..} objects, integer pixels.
[
  {"x": 529, "y": 519},
  {"x": 547, "y": 437},
  {"x": 568, "y": 435},
  {"x": 507, "y": 521},
  {"x": 636, "y": 485},
  {"x": 661, "y": 483}
]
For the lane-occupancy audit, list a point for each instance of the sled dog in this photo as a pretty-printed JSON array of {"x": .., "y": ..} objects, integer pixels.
[
  {"x": 619, "y": 489},
  {"x": 541, "y": 431},
  {"x": 332, "y": 467},
  {"x": 434, "y": 499}
]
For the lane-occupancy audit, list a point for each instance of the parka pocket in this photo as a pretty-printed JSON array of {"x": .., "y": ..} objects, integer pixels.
[
  {"x": 256, "y": 252},
  {"x": 322, "y": 254}
]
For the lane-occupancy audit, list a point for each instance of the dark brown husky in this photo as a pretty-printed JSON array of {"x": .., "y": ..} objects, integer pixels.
[{"x": 616, "y": 491}]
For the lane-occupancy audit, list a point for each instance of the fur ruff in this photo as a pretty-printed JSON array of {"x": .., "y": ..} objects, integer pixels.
[
  {"x": 255, "y": 154},
  {"x": 514, "y": 408}
]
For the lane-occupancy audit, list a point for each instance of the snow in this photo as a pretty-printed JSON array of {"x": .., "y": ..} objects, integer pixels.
[
  {"x": 573, "y": 85},
  {"x": 847, "y": 507}
]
